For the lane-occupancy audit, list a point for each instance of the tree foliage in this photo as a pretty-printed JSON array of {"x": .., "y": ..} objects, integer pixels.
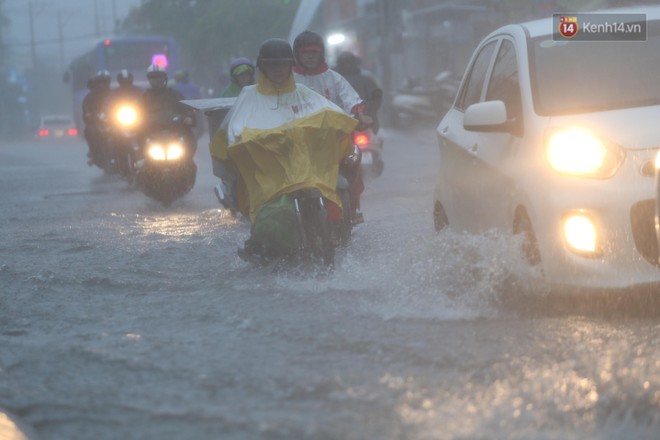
[{"x": 212, "y": 32}]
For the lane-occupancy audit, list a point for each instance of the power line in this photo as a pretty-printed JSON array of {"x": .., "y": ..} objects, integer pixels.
[{"x": 55, "y": 41}]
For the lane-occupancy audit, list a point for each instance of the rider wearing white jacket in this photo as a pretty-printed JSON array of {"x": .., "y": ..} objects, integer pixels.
[{"x": 312, "y": 70}]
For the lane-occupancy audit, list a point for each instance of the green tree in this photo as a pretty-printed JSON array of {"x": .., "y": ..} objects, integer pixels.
[{"x": 211, "y": 32}]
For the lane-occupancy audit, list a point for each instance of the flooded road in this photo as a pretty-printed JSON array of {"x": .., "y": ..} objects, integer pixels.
[{"x": 122, "y": 319}]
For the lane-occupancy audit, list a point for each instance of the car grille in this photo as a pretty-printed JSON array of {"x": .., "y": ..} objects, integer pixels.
[{"x": 642, "y": 218}]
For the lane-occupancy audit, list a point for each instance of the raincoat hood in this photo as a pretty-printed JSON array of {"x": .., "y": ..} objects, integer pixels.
[{"x": 269, "y": 88}]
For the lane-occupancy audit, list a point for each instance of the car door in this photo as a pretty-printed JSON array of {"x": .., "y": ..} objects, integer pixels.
[
  {"x": 456, "y": 184},
  {"x": 495, "y": 152}
]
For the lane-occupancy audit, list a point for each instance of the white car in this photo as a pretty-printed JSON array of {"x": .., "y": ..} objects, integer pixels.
[
  {"x": 556, "y": 140},
  {"x": 56, "y": 127}
]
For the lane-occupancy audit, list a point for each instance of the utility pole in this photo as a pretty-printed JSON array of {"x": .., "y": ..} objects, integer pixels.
[
  {"x": 60, "y": 38},
  {"x": 114, "y": 17},
  {"x": 32, "y": 42},
  {"x": 97, "y": 28}
]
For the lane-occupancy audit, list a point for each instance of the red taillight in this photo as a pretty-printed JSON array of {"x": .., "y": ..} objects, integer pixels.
[
  {"x": 361, "y": 139},
  {"x": 43, "y": 132},
  {"x": 72, "y": 132}
]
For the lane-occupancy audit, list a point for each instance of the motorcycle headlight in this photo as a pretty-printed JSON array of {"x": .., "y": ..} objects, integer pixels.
[
  {"x": 127, "y": 116},
  {"x": 157, "y": 152},
  {"x": 577, "y": 152},
  {"x": 174, "y": 152}
]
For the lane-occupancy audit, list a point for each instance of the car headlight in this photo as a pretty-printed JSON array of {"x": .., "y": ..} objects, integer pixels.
[
  {"x": 127, "y": 116},
  {"x": 580, "y": 234},
  {"x": 577, "y": 152}
]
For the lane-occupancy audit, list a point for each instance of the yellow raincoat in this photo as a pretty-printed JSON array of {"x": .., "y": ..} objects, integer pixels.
[{"x": 282, "y": 140}]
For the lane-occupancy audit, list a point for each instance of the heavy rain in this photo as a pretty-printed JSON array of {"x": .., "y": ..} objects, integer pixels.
[{"x": 126, "y": 316}]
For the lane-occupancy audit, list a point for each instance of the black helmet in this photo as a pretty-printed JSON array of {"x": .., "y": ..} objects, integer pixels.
[
  {"x": 124, "y": 77},
  {"x": 308, "y": 38},
  {"x": 274, "y": 49},
  {"x": 102, "y": 76},
  {"x": 348, "y": 59}
]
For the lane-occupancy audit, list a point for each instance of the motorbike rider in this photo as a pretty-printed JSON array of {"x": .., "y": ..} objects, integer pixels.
[
  {"x": 125, "y": 89},
  {"x": 275, "y": 101},
  {"x": 159, "y": 98},
  {"x": 183, "y": 85},
  {"x": 312, "y": 70},
  {"x": 241, "y": 72},
  {"x": 125, "y": 94},
  {"x": 349, "y": 66},
  {"x": 94, "y": 105}
]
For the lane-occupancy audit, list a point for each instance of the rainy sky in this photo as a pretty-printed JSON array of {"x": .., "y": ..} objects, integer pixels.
[{"x": 80, "y": 22}]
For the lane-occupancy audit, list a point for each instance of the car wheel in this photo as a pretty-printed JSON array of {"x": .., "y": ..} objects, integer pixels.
[
  {"x": 440, "y": 220},
  {"x": 530, "y": 248}
]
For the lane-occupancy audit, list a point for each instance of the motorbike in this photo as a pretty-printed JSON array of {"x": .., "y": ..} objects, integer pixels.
[
  {"x": 126, "y": 121},
  {"x": 300, "y": 226},
  {"x": 416, "y": 103},
  {"x": 370, "y": 145},
  {"x": 310, "y": 237},
  {"x": 103, "y": 154},
  {"x": 167, "y": 171}
]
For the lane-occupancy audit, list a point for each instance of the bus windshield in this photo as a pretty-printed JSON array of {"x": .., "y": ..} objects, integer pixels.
[{"x": 135, "y": 55}]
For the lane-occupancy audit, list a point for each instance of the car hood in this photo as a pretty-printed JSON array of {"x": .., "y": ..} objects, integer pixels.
[{"x": 632, "y": 128}]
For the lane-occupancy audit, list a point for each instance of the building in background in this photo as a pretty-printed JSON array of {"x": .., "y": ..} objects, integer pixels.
[{"x": 404, "y": 40}]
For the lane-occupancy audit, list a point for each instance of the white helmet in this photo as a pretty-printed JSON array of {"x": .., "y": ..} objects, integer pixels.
[{"x": 157, "y": 76}]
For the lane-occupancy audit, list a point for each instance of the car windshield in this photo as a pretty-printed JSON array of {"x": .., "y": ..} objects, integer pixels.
[
  {"x": 575, "y": 77},
  {"x": 57, "y": 122}
]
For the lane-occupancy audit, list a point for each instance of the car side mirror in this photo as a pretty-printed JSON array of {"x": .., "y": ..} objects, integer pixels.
[{"x": 488, "y": 116}]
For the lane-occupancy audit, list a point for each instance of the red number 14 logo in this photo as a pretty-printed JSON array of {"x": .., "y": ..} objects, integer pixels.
[{"x": 568, "y": 26}]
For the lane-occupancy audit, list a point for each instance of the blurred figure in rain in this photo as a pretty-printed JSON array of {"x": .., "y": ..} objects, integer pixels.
[
  {"x": 182, "y": 85},
  {"x": 94, "y": 108},
  {"x": 241, "y": 72},
  {"x": 126, "y": 90},
  {"x": 365, "y": 84}
]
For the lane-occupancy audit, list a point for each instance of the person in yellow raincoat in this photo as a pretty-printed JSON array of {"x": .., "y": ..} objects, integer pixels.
[{"x": 280, "y": 136}]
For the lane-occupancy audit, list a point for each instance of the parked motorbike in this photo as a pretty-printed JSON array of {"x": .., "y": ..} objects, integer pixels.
[
  {"x": 168, "y": 171},
  {"x": 416, "y": 103}
]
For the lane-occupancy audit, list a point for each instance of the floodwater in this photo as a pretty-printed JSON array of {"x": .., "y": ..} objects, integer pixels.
[{"x": 122, "y": 319}]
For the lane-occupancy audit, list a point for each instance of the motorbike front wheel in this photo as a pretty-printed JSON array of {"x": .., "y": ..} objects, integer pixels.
[{"x": 317, "y": 241}]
